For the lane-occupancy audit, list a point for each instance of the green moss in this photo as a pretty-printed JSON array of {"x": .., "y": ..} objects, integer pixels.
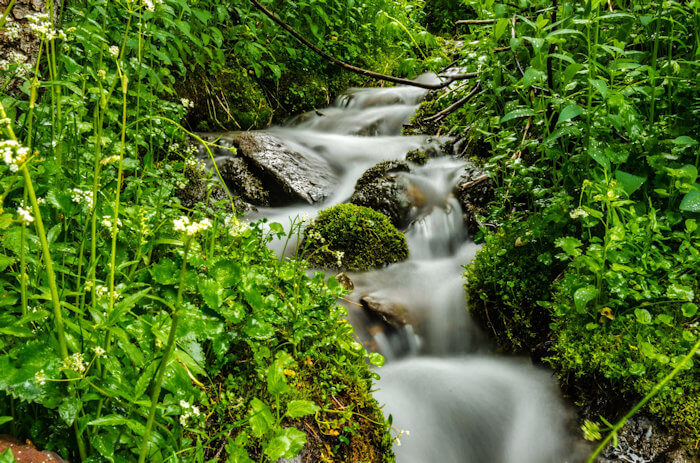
[
  {"x": 366, "y": 237},
  {"x": 504, "y": 282},
  {"x": 419, "y": 157},
  {"x": 633, "y": 357}
]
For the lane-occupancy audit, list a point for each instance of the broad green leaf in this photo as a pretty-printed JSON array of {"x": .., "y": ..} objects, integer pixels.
[
  {"x": 299, "y": 408},
  {"x": 210, "y": 291},
  {"x": 684, "y": 140},
  {"x": 676, "y": 291},
  {"x": 691, "y": 201},
  {"x": 569, "y": 245},
  {"x": 127, "y": 304},
  {"x": 69, "y": 409},
  {"x": 516, "y": 113},
  {"x": 237, "y": 454},
  {"x": 5, "y": 419},
  {"x": 287, "y": 443},
  {"x": 569, "y": 113},
  {"x": 630, "y": 183},
  {"x": 500, "y": 27},
  {"x": 261, "y": 419},
  {"x": 597, "y": 154},
  {"x": 276, "y": 380},
  {"x": 643, "y": 316},
  {"x": 7, "y": 456},
  {"x": 689, "y": 309},
  {"x": 165, "y": 272},
  {"x": 600, "y": 86},
  {"x": 583, "y": 296},
  {"x": 6, "y": 261}
]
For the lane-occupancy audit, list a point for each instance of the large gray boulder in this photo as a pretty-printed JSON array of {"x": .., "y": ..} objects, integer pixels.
[{"x": 287, "y": 174}]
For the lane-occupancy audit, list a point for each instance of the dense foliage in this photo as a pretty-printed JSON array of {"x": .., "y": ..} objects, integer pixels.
[
  {"x": 587, "y": 118},
  {"x": 354, "y": 238},
  {"x": 133, "y": 327}
]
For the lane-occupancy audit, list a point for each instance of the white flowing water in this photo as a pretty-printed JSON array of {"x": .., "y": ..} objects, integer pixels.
[{"x": 460, "y": 403}]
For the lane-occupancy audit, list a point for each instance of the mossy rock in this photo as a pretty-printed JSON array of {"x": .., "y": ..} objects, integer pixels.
[
  {"x": 504, "y": 282},
  {"x": 366, "y": 238},
  {"x": 419, "y": 157}
]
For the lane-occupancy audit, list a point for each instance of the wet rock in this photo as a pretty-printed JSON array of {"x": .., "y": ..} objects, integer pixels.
[
  {"x": 642, "y": 440},
  {"x": 345, "y": 281},
  {"x": 474, "y": 191},
  {"x": 241, "y": 182},
  {"x": 26, "y": 452},
  {"x": 392, "y": 313},
  {"x": 287, "y": 175},
  {"x": 382, "y": 190}
]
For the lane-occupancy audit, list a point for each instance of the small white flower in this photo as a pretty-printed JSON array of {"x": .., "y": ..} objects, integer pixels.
[
  {"x": 187, "y": 103},
  {"x": 578, "y": 212},
  {"x": 40, "y": 378},
  {"x": 339, "y": 256},
  {"x": 99, "y": 351},
  {"x": 25, "y": 216},
  {"x": 183, "y": 420},
  {"x": 82, "y": 197},
  {"x": 183, "y": 224},
  {"x": 184, "y": 404},
  {"x": 114, "y": 51},
  {"x": 107, "y": 222},
  {"x": 101, "y": 74}
]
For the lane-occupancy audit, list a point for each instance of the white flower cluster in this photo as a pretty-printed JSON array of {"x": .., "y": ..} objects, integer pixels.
[
  {"x": 339, "y": 256},
  {"x": 42, "y": 27},
  {"x": 189, "y": 411},
  {"x": 114, "y": 51},
  {"x": 25, "y": 216},
  {"x": 397, "y": 439},
  {"x": 40, "y": 378},
  {"x": 99, "y": 351},
  {"x": 82, "y": 197},
  {"x": 11, "y": 151},
  {"x": 12, "y": 30},
  {"x": 316, "y": 235},
  {"x": 184, "y": 224},
  {"x": 578, "y": 212},
  {"x": 150, "y": 5},
  {"x": 75, "y": 362},
  {"x": 235, "y": 226},
  {"x": 188, "y": 104},
  {"x": 107, "y": 222},
  {"x": 14, "y": 58},
  {"x": 194, "y": 164}
]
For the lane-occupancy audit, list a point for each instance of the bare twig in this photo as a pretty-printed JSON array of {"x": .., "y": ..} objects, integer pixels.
[
  {"x": 454, "y": 106},
  {"x": 350, "y": 67},
  {"x": 474, "y": 22}
]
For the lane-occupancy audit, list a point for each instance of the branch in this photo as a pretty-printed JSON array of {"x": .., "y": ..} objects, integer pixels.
[
  {"x": 350, "y": 67},
  {"x": 474, "y": 21},
  {"x": 454, "y": 106}
]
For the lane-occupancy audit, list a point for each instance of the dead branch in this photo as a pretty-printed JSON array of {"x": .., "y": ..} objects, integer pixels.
[
  {"x": 454, "y": 106},
  {"x": 474, "y": 22},
  {"x": 346, "y": 66}
]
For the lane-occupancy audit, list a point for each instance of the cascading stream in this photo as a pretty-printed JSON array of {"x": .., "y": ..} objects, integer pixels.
[{"x": 460, "y": 403}]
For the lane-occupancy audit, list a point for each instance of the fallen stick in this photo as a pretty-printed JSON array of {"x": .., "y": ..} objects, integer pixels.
[{"x": 454, "y": 106}]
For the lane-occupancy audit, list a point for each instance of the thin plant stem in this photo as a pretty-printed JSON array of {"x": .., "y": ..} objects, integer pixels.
[
  {"x": 655, "y": 390},
  {"x": 155, "y": 393}
]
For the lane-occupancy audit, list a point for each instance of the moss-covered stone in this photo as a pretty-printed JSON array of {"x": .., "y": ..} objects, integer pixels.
[
  {"x": 353, "y": 237},
  {"x": 419, "y": 157}
]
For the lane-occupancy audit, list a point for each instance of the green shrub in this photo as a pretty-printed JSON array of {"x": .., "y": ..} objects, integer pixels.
[{"x": 354, "y": 238}]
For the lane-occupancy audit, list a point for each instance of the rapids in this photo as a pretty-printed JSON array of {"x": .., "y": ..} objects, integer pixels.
[{"x": 460, "y": 403}]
